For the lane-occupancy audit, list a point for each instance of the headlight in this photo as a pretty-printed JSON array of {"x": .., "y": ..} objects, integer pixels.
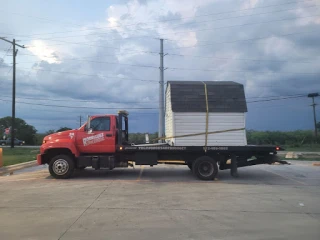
[{"x": 44, "y": 141}]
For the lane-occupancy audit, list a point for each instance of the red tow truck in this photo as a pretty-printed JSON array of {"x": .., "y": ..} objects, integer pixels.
[{"x": 103, "y": 143}]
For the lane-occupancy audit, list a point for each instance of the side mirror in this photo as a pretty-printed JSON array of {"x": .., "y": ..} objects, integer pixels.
[
  {"x": 88, "y": 128},
  {"x": 88, "y": 122},
  {"x": 147, "y": 137}
]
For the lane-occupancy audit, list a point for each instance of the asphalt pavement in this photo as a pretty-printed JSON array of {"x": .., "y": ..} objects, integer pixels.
[{"x": 163, "y": 202}]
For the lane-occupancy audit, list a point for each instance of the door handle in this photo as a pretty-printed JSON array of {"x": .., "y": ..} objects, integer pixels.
[{"x": 108, "y": 135}]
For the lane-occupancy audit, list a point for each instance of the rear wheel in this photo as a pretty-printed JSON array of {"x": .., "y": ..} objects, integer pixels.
[
  {"x": 205, "y": 168},
  {"x": 61, "y": 166}
]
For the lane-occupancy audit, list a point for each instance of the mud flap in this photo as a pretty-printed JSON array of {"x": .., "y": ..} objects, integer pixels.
[{"x": 234, "y": 166}]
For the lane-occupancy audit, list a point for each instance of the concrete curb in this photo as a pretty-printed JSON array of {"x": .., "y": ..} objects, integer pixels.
[{"x": 12, "y": 168}]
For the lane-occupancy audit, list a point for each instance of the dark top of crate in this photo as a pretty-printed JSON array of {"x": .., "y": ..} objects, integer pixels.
[{"x": 223, "y": 96}]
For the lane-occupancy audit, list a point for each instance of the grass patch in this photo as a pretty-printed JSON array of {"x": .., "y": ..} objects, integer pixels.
[
  {"x": 18, "y": 155},
  {"x": 303, "y": 148}
]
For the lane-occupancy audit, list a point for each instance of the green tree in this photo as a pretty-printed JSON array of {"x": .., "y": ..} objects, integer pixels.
[
  {"x": 292, "y": 138},
  {"x": 139, "y": 138},
  {"x": 23, "y": 131},
  {"x": 63, "y": 129},
  {"x": 39, "y": 138},
  {"x": 50, "y": 131}
]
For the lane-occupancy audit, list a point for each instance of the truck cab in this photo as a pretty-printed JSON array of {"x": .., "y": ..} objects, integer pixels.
[{"x": 96, "y": 139}]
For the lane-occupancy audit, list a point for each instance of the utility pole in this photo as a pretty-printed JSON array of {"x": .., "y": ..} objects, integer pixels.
[
  {"x": 14, "y": 54},
  {"x": 161, "y": 94},
  {"x": 313, "y": 95},
  {"x": 80, "y": 120}
]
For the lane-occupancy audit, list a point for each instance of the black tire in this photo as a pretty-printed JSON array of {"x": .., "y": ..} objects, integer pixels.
[
  {"x": 205, "y": 168},
  {"x": 190, "y": 166},
  {"x": 61, "y": 166}
]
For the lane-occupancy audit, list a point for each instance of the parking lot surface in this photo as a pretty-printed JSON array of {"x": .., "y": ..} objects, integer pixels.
[{"x": 163, "y": 202}]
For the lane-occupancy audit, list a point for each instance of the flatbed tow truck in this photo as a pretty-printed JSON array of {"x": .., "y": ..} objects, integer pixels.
[{"x": 103, "y": 143}]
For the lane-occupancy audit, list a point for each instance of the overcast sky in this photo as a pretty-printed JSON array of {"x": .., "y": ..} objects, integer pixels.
[{"x": 104, "y": 54}]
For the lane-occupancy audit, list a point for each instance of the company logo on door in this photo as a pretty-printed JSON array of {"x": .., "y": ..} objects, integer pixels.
[{"x": 93, "y": 139}]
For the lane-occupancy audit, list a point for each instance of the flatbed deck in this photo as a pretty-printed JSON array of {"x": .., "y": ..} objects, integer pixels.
[{"x": 224, "y": 149}]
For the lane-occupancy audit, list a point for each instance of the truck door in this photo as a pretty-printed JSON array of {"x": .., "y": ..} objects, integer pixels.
[{"x": 100, "y": 140}]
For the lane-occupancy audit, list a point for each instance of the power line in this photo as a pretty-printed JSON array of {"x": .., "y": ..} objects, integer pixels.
[
  {"x": 224, "y": 27},
  {"x": 111, "y": 55},
  {"x": 168, "y": 20},
  {"x": 139, "y": 102},
  {"x": 240, "y": 25},
  {"x": 212, "y": 20},
  {"x": 62, "y": 106},
  {"x": 275, "y": 99},
  {"x": 92, "y": 45},
  {"x": 249, "y": 39},
  {"x": 92, "y": 75},
  {"x": 89, "y": 34},
  {"x": 242, "y": 59},
  {"x": 258, "y": 107},
  {"x": 291, "y": 95},
  {"x": 237, "y": 59},
  {"x": 142, "y": 108},
  {"x": 184, "y": 69},
  {"x": 76, "y": 100},
  {"x": 239, "y": 71},
  {"x": 173, "y": 68},
  {"x": 206, "y": 29},
  {"x": 68, "y": 111},
  {"x": 5, "y": 54},
  {"x": 244, "y": 40},
  {"x": 127, "y": 64},
  {"x": 210, "y": 57},
  {"x": 249, "y": 15},
  {"x": 209, "y": 29},
  {"x": 36, "y": 17}
]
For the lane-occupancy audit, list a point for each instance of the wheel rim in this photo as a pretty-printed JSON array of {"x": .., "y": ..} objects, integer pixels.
[
  {"x": 206, "y": 169},
  {"x": 60, "y": 167}
]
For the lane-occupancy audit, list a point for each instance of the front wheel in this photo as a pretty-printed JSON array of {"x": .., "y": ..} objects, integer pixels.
[
  {"x": 205, "y": 168},
  {"x": 61, "y": 166}
]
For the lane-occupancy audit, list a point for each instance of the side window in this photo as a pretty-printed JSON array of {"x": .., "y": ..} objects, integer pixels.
[{"x": 100, "y": 124}]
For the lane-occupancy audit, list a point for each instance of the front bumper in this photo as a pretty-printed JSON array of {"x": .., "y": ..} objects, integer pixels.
[{"x": 39, "y": 159}]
